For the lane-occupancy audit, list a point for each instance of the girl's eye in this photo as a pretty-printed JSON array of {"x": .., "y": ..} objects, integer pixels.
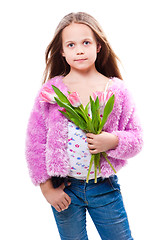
[
  {"x": 71, "y": 45},
  {"x": 86, "y": 42}
]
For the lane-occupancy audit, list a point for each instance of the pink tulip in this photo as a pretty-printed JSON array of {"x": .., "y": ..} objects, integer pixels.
[
  {"x": 107, "y": 95},
  {"x": 100, "y": 95},
  {"x": 74, "y": 99},
  {"x": 48, "y": 95}
]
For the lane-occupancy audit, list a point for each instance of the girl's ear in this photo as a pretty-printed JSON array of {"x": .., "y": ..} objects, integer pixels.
[
  {"x": 98, "y": 47},
  {"x": 62, "y": 53}
]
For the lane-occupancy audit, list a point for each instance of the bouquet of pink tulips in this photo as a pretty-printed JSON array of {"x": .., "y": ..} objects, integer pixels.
[{"x": 74, "y": 111}]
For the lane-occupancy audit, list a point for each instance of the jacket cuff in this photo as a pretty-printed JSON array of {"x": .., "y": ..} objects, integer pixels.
[{"x": 130, "y": 143}]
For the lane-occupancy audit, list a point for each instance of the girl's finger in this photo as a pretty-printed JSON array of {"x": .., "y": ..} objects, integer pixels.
[
  {"x": 68, "y": 199},
  {"x": 90, "y": 135},
  {"x": 58, "y": 208},
  {"x": 90, "y": 140},
  {"x": 65, "y": 202},
  {"x": 64, "y": 205},
  {"x": 94, "y": 151},
  {"x": 91, "y": 146}
]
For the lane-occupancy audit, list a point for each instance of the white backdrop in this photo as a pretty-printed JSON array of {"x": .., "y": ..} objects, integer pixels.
[{"x": 27, "y": 27}]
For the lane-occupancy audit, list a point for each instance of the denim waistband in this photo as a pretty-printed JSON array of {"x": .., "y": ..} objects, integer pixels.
[{"x": 81, "y": 181}]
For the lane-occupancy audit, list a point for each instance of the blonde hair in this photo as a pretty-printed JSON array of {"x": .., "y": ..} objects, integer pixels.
[{"x": 106, "y": 62}]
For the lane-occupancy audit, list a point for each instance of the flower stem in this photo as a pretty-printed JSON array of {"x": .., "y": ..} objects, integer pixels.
[
  {"x": 90, "y": 165},
  {"x": 97, "y": 165},
  {"x": 95, "y": 169},
  {"x": 105, "y": 156}
]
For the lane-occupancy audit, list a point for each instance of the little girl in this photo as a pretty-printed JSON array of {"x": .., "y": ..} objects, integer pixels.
[{"x": 79, "y": 58}]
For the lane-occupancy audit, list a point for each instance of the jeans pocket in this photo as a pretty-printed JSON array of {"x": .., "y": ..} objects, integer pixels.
[{"x": 113, "y": 180}]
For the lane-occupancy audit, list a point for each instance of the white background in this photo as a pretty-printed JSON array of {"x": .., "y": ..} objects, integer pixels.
[{"x": 27, "y": 27}]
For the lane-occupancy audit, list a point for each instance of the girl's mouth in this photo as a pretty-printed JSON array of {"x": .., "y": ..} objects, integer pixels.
[{"x": 80, "y": 60}]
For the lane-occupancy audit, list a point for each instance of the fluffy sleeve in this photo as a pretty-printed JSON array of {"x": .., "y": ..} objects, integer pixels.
[
  {"x": 36, "y": 142},
  {"x": 129, "y": 130}
]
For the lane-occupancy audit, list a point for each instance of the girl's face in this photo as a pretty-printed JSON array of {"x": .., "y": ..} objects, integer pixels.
[{"x": 79, "y": 47}]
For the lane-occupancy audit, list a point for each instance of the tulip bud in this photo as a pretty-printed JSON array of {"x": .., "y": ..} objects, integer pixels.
[
  {"x": 100, "y": 95},
  {"x": 107, "y": 95},
  {"x": 74, "y": 99},
  {"x": 48, "y": 95}
]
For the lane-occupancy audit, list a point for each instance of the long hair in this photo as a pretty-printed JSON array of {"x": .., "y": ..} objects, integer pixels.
[{"x": 106, "y": 62}]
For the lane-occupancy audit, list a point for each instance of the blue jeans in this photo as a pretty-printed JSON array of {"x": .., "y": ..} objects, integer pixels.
[{"x": 104, "y": 203}]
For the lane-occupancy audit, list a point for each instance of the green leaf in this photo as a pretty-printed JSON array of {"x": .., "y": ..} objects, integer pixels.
[
  {"x": 65, "y": 114},
  {"x": 97, "y": 103},
  {"x": 86, "y": 109},
  {"x": 93, "y": 110},
  {"x": 107, "y": 111},
  {"x": 72, "y": 115},
  {"x": 98, "y": 113},
  {"x": 67, "y": 107},
  {"x": 60, "y": 95},
  {"x": 81, "y": 112},
  {"x": 93, "y": 107},
  {"x": 96, "y": 120},
  {"x": 90, "y": 126},
  {"x": 80, "y": 124}
]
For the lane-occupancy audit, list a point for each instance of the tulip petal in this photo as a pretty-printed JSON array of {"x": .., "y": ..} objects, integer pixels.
[
  {"x": 47, "y": 95},
  {"x": 74, "y": 99}
]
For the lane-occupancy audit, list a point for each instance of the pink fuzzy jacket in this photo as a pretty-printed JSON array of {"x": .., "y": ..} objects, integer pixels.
[{"x": 47, "y": 135}]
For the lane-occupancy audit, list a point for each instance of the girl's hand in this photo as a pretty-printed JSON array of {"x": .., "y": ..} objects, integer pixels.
[
  {"x": 101, "y": 142},
  {"x": 56, "y": 196}
]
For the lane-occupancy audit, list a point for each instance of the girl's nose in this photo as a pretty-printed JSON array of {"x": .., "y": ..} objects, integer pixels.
[{"x": 79, "y": 50}]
